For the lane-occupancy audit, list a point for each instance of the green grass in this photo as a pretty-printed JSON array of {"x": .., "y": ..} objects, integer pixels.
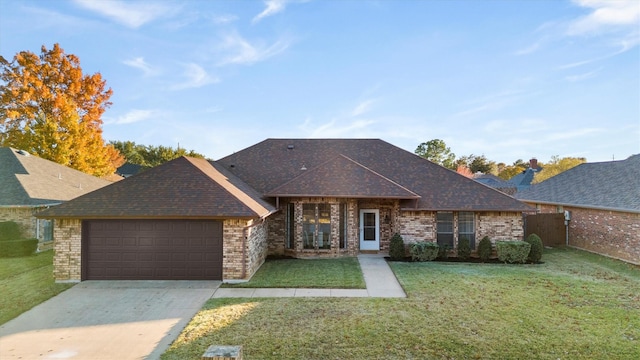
[
  {"x": 574, "y": 306},
  {"x": 339, "y": 273},
  {"x": 26, "y": 282}
]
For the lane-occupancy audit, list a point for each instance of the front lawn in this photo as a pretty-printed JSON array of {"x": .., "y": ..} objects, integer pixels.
[
  {"x": 574, "y": 306},
  {"x": 26, "y": 282},
  {"x": 339, "y": 273}
]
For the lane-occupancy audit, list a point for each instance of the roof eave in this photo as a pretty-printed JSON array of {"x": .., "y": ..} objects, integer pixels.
[
  {"x": 345, "y": 196},
  {"x": 584, "y": 206}
]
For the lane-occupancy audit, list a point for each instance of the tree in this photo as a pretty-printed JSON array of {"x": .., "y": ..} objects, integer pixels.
[
  {"x": 509, "y": 171},
  {"x": 556, "y": 166},
  {"x": 149, "y": 156},
  {"x": 49, "y": 108},
  {"x": 437, "y": 151},
  {"x": 477, "y": 164}
]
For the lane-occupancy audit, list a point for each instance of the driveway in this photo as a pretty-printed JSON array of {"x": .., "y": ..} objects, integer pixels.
[{"x": 106, "y": 320}]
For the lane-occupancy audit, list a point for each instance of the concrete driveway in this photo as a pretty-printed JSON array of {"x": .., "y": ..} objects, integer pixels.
[{"x": 106, "y": 320}]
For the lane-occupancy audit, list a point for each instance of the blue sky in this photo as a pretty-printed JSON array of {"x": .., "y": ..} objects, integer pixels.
[{"x": 506, "y": 79}]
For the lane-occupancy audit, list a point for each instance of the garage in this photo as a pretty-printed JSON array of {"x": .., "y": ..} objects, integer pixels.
[{"x": 158, "y": 249}]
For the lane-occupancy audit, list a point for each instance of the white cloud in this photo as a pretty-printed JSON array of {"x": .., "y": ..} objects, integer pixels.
[
  {"x": 133, "y": 116},
  {"x": 605, "y": 15},
  {"x": 139, "y": 63},
  {"x": 241, "y": 51},
  {"x": 272, "y": 7},
  {"x": 583, "y": 76},
  {"x": 196, "y": 77},
  {"x": 132, "y": 15},
  {"x": 337, "y": 128},
  {"x": 491, "y": 102},
  {"x": 362, "y": 108}
]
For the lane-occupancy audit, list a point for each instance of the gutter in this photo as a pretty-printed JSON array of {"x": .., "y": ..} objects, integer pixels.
[{"x": 592, "y": 207}]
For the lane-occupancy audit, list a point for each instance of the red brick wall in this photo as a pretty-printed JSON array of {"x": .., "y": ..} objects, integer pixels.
[{"x": 610, "y": 233}]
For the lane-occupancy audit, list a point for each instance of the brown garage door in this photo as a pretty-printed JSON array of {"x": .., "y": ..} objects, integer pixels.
[{"x": 151, "y": 250}]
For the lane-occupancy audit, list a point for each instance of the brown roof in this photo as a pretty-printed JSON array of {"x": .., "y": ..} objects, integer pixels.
[
  {"x": 273, "y": 165},
  {"x": 182, "y": 188},
  {"x": 342, "y": 177},
  {"x": 28, "y": 180}
]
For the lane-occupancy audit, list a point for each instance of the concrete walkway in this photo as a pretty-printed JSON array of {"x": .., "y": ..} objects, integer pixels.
[{"x": 380, "y": 281}]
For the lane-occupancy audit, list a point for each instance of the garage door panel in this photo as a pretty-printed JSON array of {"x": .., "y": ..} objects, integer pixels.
[{"x": 152, "y": 250}]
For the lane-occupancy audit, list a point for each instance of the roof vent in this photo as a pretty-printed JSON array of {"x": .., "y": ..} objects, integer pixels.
[
  {"x": 290, "y": 146},
  {"x": 23, "y": 152},
  {"x": 232, "y": 166},
  {"x": 303, "y": 167}
]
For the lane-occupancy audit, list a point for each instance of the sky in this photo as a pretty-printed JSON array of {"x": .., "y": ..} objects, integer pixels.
[{"x": 505, "y": 79}]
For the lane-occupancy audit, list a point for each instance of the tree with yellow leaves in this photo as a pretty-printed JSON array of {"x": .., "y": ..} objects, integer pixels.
[{"x": 49, "y": 108}]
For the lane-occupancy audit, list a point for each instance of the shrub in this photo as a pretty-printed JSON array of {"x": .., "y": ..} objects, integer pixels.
[
  {"x": 17, "y": 248},
  {"x": 485, "y": 249},
  {"x": 423, "y": 251},
  {"x": 513, "y": 251},
  {"x": 396, "y": 247},
  {"x": 443, "y": 251},
  {"x": 10, "y": 230},
  {"x": 535, "y": 254},
  {"x": 464, "y": 248}
]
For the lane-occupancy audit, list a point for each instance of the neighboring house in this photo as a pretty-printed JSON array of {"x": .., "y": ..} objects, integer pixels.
[
  {"x": 603, "y": 200},
  {"x": 197, "y": 219},
  {"x": 523, "y": 180},
  {"x": 129, "y": 169},
  {"x": 31, "y": 184},
  {"x": 496, "y": 183}
]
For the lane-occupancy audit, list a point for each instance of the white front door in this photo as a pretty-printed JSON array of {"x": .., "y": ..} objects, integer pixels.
[{"x": 369, "y": 229}]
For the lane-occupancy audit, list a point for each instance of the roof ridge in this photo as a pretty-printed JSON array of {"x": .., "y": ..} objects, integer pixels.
[
  {"x": 215, "y": 175},
  {"x": 380, "y": 175}
]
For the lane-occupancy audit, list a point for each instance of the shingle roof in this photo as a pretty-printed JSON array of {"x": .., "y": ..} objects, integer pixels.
[
  {"x": 181, "y": 188},
  {"x": 28, "y": 180},
  {"x": 613, "y": 185},
  {"x": 274, "y": 162},
  {"x": 342, "y": 177}
]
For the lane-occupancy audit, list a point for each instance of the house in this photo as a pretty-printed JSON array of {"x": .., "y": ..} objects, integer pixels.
[
  {"x": 31, "y": 184},
  {"x": 198, "y": 219},
  {"x": 603, "y": 201},
  {"x": 523, "y": 180},
  {"x": 128, "y": 169},
  {"x": 496, "y": 183}
]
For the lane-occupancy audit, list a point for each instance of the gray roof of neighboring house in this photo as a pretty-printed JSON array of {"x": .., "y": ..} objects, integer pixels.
[
  {"x": 28, "y": 180},
  {"x": 613, "y": 185},
  {"x": 274, "y": 167},
  {"x": 523, "y": 180},
  {"x": 181, "y": 188}
]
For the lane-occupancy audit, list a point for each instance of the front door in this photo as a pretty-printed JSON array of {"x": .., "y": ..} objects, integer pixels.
[{"x": 369, "y": 229}]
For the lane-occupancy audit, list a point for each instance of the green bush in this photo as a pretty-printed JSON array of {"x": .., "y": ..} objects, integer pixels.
[
  {"x": 464, "y": 248},
  {"x": 485, "y": 249},
  {"x": 423, "y": 251},
  {"x": 443, "y": 251},
  {"x": 10, "y": 230},
  {"x": 513, "y": 252},
  {"x": 396, "y": 247},
  {"x": 18, "y": 248},
  {"x": 535, "y": 254}
]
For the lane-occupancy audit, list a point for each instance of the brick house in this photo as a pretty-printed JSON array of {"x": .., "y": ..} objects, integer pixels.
[
  {"x": 286, "y": 197},
  {"x": 31, "y": 184},
  {"x": 603, "y": 200}
]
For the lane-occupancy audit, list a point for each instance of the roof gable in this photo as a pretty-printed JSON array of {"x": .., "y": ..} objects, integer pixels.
[
  {"x": 611, "y": 185},
  {"x": 342, "y": 177},
  {"x": 274, "y": 162},
  {"x": 184, "y": 187},
  {"x": 28, "y": 180}
]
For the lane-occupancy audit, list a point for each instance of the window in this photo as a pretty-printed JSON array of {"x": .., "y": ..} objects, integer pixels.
[
  {"x": 316, "y": 226},
  {"x": 445, "y": 228},
  {"x": 47, "y": 230},
  {"x": 466, "y": 227},
  {"x": 290, "y": 226}
]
